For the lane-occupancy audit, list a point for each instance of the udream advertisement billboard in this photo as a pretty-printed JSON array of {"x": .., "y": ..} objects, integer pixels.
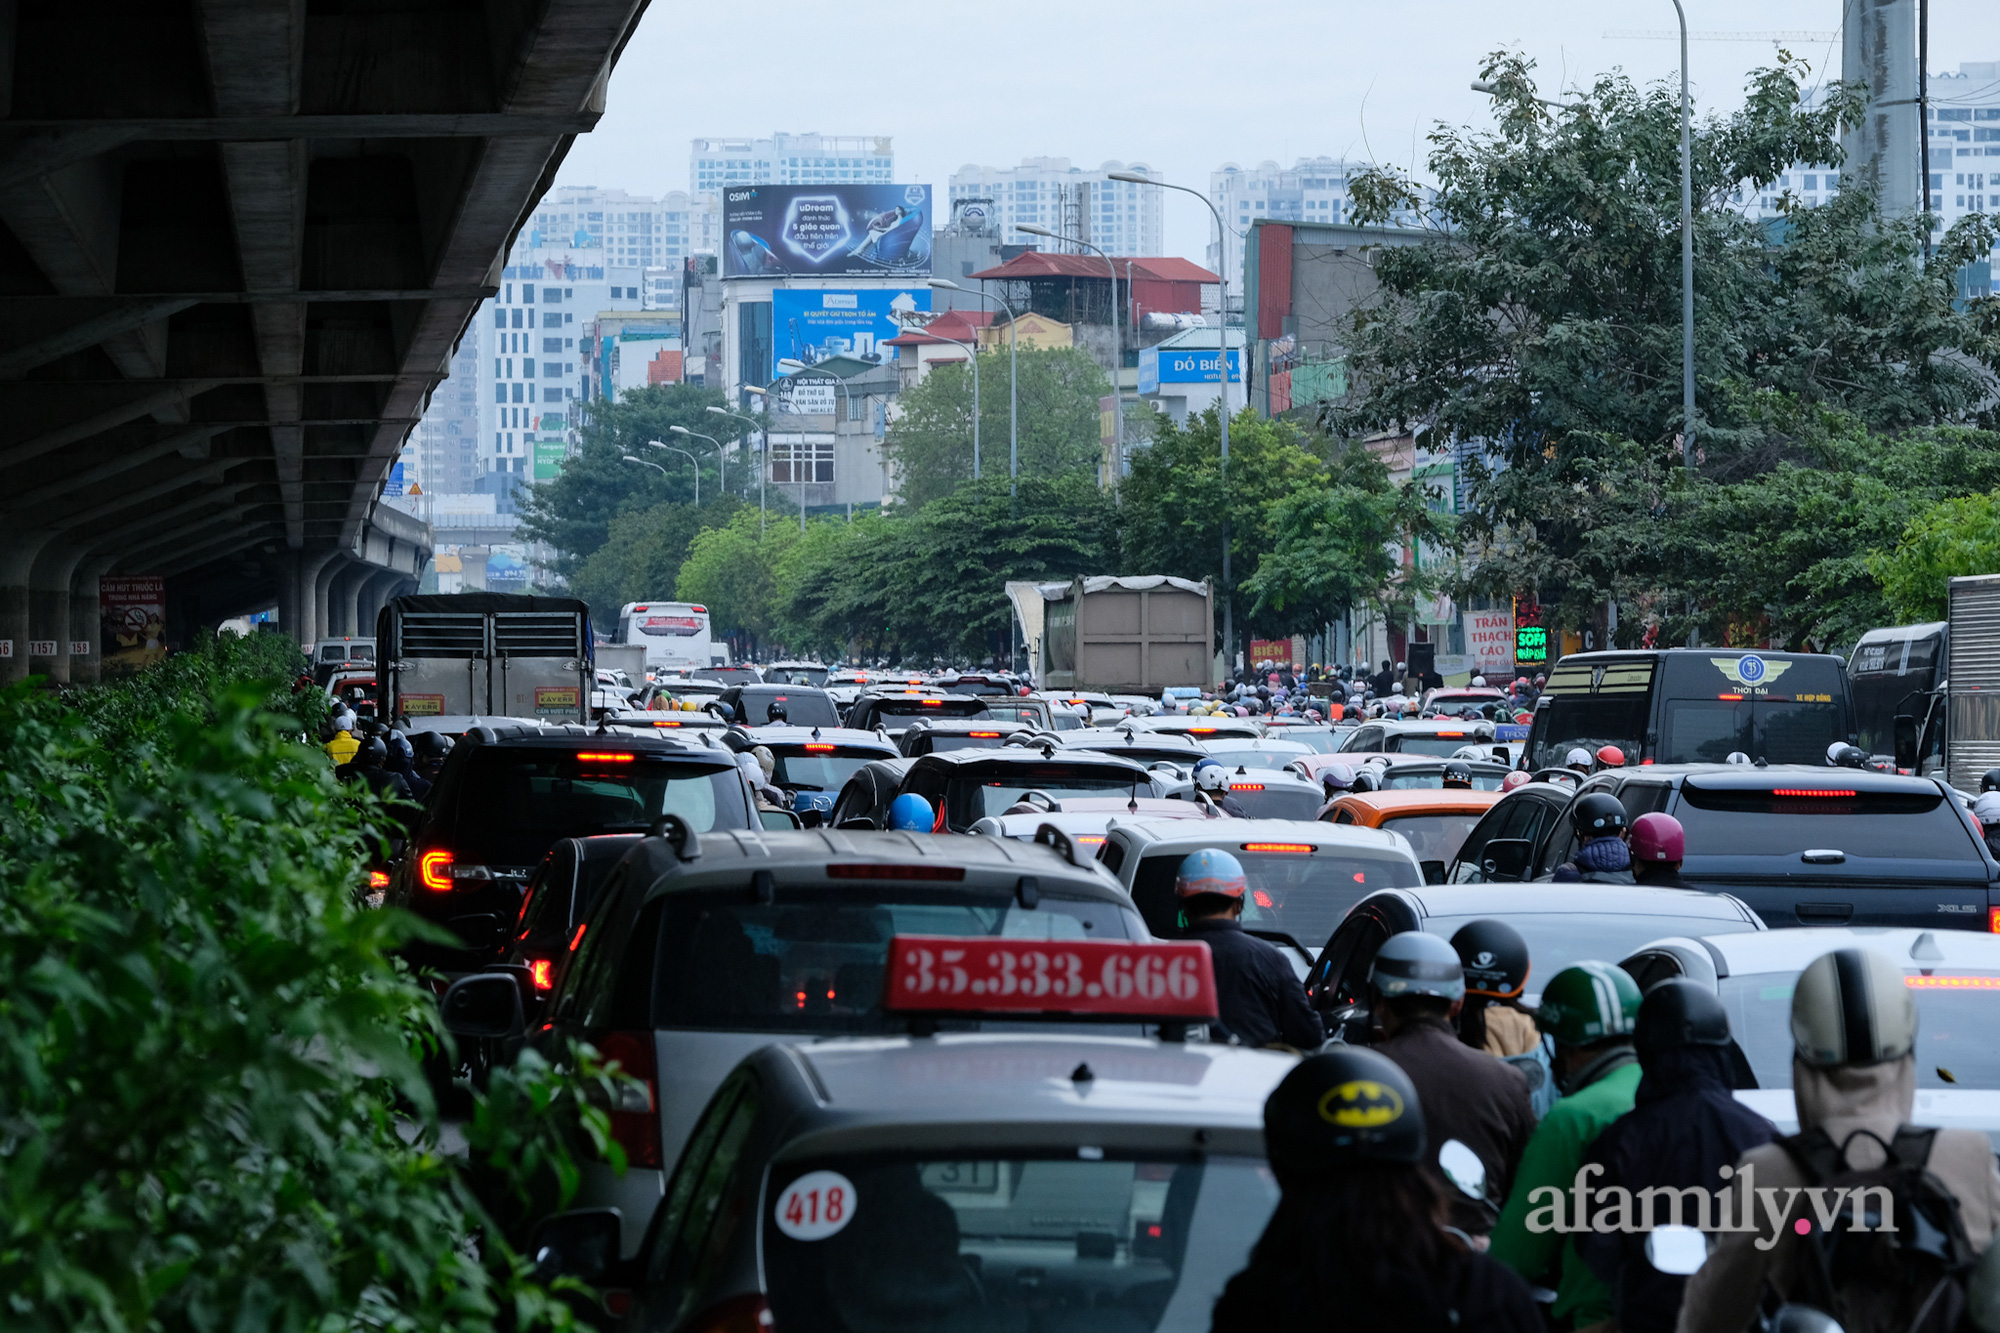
[{"x": 775, "y": 231}]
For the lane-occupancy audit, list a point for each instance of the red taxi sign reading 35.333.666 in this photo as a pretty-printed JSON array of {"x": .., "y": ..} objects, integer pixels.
[{"x": 953, "y": 974}]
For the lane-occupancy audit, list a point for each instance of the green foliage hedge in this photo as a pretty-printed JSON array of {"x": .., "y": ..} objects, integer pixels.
[{"x": 212, "y": 1111}]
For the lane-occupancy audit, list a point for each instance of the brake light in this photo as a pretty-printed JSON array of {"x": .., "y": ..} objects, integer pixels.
[
  {"x": 1810, "y": 791},
  {"x": 1289, "y": 848},
  {"x": 591, "y": 757},
  {"x": 1644, "y": 762},
  {"x": 1452, "y": 735},
  {"x": 542, "y": 971},
  {"x": 1993, "y": 920},
  {"x": 740, "y": 1314},
  {"x": 895, "y": 872},
  {"x": 666, "y": 724},
  {"x": 1262, "y": 898},
  {"x": 434, "y": 869},
  {"x": 984, "y": 735},
  {"x": 818, "y": 747},
  {"x": 1952, "y": 983},
  {"x": 931, "y": 703},
  {"x": 1201, "y": 731},
  {"x": 1733, "y": 698},
  {"x": 635, "y": 1123},
  {"x": 699, "y": 610},
  {"x": 378, "y": 879},
  {"x": 1246, "y": 786},
  {"x": 1088, "y": 839},
  {"x": 577, "y": 938}
]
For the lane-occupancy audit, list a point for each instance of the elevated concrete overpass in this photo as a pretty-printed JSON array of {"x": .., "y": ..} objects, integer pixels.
[{"x": 238, "y": 241}]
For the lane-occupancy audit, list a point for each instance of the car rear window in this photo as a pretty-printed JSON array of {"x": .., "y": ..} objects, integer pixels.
[
  {"x": 1956, "y": 1012},
  {"x": 1014, "y": 710},
  {"x": 1253, "y": 757},
  {"x": 516, "y": 802},
  {"x": 1275, "y": 800},
  {"x": 990, "y": 789},
  {"x": 1443, "y": 744},
  {"x": 944, "y": 742},
  {"x": 802, "y": 707},
  {"x": 1410, "y": 777},
  {"x": 1303, "y": 891},
  {"x": 916, "y": 707},
  {"x": 826, "y": 768},
  {"x": 1816, "y": 815},
  {"x": 816, "y": 965},
  {"x": 1706, "y": 731}
]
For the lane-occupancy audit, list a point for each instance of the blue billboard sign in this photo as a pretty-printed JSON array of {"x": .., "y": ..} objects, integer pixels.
[
  {"x": 810, "y": 326},
  {"x": 1184, "y": 365},
  {"x": 774, "y": 231}
]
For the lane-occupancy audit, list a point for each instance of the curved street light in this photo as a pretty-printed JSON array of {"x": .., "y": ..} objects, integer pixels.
[
  {"x": 721, "y": 464},
  {"x": 1013, "y": 377},
  {"x": 760, "y": 428},
  {"x": 696, "y": 462}
]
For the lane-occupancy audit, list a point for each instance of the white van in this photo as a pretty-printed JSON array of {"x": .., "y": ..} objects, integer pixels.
[{"x": 675, "y": 634}]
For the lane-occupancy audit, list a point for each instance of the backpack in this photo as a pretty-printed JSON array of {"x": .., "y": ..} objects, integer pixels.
[{"x": 1909, "y": 1280}]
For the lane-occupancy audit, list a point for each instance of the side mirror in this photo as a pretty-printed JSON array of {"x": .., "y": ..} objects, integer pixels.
[
  {"x": 484, "y": 1005},
  {"x": 811, "y": 817},
  {"x": 581, "y": 1244},
  {"x": 1906, "y": 742},
  {"x": 1676, "y": 1250},
  {"x": 1503, "y": 860},
  {"x": 779, "y": 819},
  {"x": 1434, "y": 871},
  {"x": 1462, "y": 1167}
]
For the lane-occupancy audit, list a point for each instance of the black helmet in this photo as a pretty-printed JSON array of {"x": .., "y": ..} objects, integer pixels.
[
  {"x": 775, "y": 711},
  {"x": 431, "y": 744},
  {"x": 372, "y": 753},
  {"x": 1347, "y": 1105},
  {"x": 1680, "y": 1013},
  {"x": 1596, "y": 814},
  {"x": 1494, "y": 956},
  {"x": 1990, "y": 780},
  {"x": 1457, "y": 774}
]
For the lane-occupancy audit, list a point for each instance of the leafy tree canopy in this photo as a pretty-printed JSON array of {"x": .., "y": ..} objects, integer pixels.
[
  {"x": 930, "y": 444},
  {"x": 1951, "y": 538}
]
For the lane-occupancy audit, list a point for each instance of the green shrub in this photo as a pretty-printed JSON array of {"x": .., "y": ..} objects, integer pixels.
[{"x": 212, "y": 1114}]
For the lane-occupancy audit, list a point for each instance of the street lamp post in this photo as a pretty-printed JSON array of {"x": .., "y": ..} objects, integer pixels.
[
  {"x": 1221, "y": 380},
  {"x": 644, "y": 462},
  {"x": 759, "y": 426},
  {"x": 1117, "y": 348},
  {"x": 721, "y": 464},
  {"x": 1013, "y": 378},
  {"x": 692, "y": 460}
]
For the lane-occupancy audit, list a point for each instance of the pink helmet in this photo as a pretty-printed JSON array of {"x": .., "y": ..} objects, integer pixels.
[
  {"x": 1658, "y": 837},
  {"x": 1515, "y": 779}
]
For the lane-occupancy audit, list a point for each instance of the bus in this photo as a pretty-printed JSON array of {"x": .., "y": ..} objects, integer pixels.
[
  {"x": 1692, "y": 706},
  {"x": 675, "y": 634},
  {"x": 1898, "y": 672}
]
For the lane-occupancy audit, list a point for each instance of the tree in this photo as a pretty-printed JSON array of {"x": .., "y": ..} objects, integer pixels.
[
  {"x": 1950, "y": 539},
  {"x": 728, "y": 569},
  {"x": 641, "y": 557},
  {"x": 1176, "y": 498},
  {"x": 930, "y": 443},
  {"x": 573, "y": 513},
  {"x": 1538, "y": 330}
]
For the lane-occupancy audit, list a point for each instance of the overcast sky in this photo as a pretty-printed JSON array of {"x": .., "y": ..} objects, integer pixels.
[{"x": 955, "y": 83}]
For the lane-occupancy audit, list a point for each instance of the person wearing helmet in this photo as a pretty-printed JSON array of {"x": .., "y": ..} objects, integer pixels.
[
  {"x": 1658, "y": 845},
  {"x": 1457, "y": 775},
  {"x": 1336, "y": 780},
  {"x": 911, "y": 813},
  {"x": 1211, "y": 778},
  {"x": 1416, "y": 986},
  {"x": 342, "y": 743},
  {"x": 775, "y": 714},
  {"x": 1493, "y": 1019},
  {"x": 1258, "y": 997},
  {"x": 1685, "y": 1127},
  {"x": 1854, "y": 1075},
  {"x": 1579, "y": 759},
  {"x": 1359, "y": 1228},
  {"x": 370, "y": 768},
  {"x": 1842, "y": 755},
  {"x": 403, "y": 762},
  {"x": 1609, "y": 756},
  {"x": 767, "y": 796},
  {"x": 1601, "y": 854},
  {"x": 1987, "y": 811},
  {"x": 1590, "y": 1010},
  {"x": 1989, "y": 781},
  {"x": 1515, "y": 779},
  {"x": 432, "y": 747}
]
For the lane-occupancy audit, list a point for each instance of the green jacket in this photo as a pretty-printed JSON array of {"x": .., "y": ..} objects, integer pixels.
[{"x": 1548, "y": 1256}]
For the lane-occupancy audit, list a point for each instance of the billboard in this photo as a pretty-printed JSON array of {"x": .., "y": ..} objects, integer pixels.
[
  {"x": 810, "y": 326},
  {"x": 774, "y": 231},
  {"x": 1184, "y": 365},
  {"x": 1489, "y": 639},
  {"x": 133, "y": 611},
  {"x": 549, "y": 458}
]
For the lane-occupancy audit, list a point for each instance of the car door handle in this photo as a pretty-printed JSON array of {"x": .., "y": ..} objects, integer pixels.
[
  {"x": 1824, "y": 914},
  {"x": 1822, "y": 856}
]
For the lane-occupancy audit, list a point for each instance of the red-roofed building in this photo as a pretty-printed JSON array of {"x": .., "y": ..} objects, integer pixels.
[{"x": 1077, "y": 288}]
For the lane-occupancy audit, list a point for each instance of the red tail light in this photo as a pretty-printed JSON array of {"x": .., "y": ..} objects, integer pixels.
[
  {"x": 1993, "y": 920},
  {"x": 592, "y": 757},
  {"x": 434, "y": 869},
  {"x": 577, "y": 938},
  {"x": 818, "y": 747},
  {"x": 635, "y": 1120},
  {"x": 1810, "y": 791},
  {"x": 1246, "y": 786},
  {"x": 378, "y": 879},
  {"x": 740, "y": 1314},
  {"x": 984, "y": 735},
  {"x": 1262, "y": 898},
  {"x": 543, "y": 972}
]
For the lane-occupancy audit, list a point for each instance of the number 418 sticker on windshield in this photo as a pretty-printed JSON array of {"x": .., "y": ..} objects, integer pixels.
[{"x": 816, "y": 1205}]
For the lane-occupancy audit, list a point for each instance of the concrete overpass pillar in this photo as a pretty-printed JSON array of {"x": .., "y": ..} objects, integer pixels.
[
  {"x": 48, "y": 608},
  {"x": 86, "y": 625},
  {"x": 346, "y": 599},
  {"x": 17, "y": 563},
  {"x": 373, "y": 595},
  {"x": 323, "y": 577}
]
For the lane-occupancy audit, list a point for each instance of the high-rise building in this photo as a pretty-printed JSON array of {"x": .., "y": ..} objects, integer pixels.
[
  {"x": 444, "y": 455},
  {"x": 1116, "y": 216},
  {"x": 782, "y": 159},
  {"x": 628, "y": 228},
  {"x": 1313, "y": 189}
]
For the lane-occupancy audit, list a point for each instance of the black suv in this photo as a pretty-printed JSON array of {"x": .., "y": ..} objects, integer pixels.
[
  {"x": 802, "y": 705},
  {"x": 503, "y": 801},
  {"x": 892, "y": 712},
  {"x": 971, "y": 785}
]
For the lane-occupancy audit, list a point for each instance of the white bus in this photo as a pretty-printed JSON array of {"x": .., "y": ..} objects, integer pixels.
[{"x": 676, "y": 635}]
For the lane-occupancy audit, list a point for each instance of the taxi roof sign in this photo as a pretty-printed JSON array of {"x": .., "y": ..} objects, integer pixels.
[{"x": 1156, "y": 981}]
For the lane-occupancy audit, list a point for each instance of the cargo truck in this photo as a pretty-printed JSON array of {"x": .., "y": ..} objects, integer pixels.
[
  {"x": 1930, "y": 694},
  {"x": 1972, "y": 681},
  {"x": 450, "y": 662},
  {"x": 1127, "y": 635}
]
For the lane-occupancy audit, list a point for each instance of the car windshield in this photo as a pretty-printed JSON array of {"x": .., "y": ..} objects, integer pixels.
[
  {"x": 1956, "y": 1011},
  {"x": 1442, "y": 744},
  {"x": 973, "y": 796},
  {"x": 1557, "y": 939},
  {"x": 816, "y": 965},
  {"x": 514, "y": 803},
  {"x": 1917, "y": 824},
  {"x": 1303, "y": 891},
  {"x": 811, "y": 769},
  {"x": 1434, "y": 837},
  {"x": 1318, "y": 740},
  {"x": 1009, "y": 1241},
  {"x": 1414, "y": 777},
  {"x": 1590, "y": 722}
]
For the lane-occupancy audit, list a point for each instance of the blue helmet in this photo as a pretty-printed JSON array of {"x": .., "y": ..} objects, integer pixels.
[
  {"x": 911, "y": 813},
  {"x": 1210, "y": 871}
]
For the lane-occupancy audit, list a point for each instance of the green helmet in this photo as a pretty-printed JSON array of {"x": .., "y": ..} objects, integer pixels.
[{"x": 1589, "y": 1002}]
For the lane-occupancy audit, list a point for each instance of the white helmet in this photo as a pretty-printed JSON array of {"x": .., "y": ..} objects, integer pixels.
[
  {"x": 1479, "y": 682},
  {"x": 1578, "y": 756},
  {"x": 1212, "y": 777},
  {"x": 1397, "y": 688},
  {"x": 1470, "y": 752},
  {"x": 1987, "y": 808}
]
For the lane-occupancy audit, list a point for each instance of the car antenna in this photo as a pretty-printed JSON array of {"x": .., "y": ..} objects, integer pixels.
[{"x": 1132, "y": 805}]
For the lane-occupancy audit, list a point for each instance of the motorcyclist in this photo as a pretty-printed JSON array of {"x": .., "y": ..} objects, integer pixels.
[
  {"x": 403, "y": 760},
  {"x": 342, "y": 744},
  {"x": 1590, "y": 1009},
  {"x": 1578, "y": 759},
  {"x": 1987, "y": 811},
  {"x": 369, "y": 767},
  {"x": 774, "y": 713},
  {"x": 1601, "y": 855},
  {"x": 1989, "y": 781},
  {"x": 1211, "y": 777},
  {"x": 1457, "y": 776},
  {"x": 1658, "y": 845},
  {"x": 1685, "y": 1125},
  {"x": 1609, "y": 756},
  {"x": 1854, "y": 1031},
  {"x": 757, "y": 765},
  {"x": 1336, "y": 780},
  {"x": 1418, "y": 986},
  {"x": 1260, "y": 999},
  {"x": 1358, "y": 1236},
  {"x": 1496, "y": 964},
  {"x": 911, "y": 813}
]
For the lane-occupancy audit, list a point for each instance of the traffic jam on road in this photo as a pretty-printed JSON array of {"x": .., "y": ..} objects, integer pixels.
[{"x": 962, "y": 1000}]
